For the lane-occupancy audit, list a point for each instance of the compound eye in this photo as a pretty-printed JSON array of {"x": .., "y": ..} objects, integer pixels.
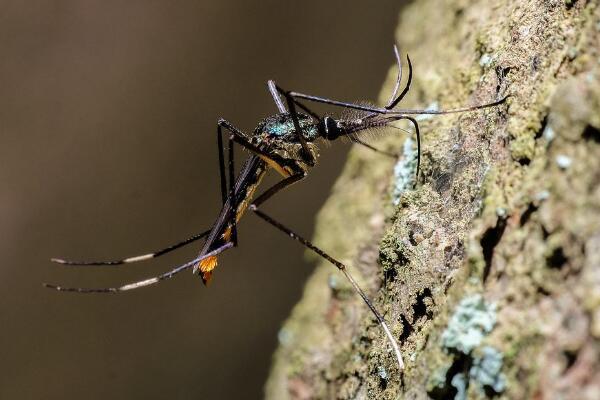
[{"x": 331, "y": 128}]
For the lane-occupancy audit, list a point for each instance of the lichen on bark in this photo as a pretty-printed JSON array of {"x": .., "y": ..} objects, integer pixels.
[{"x": 507, "y": 208}]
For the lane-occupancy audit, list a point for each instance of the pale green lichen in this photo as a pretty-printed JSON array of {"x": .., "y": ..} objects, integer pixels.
[
  {"x": 404, "y": 171},
  {"x": 486, "y": 370},
  {"x": 471, "y": 322},
  {"x": 485, "y": 60},
  {"x": 459, "y": 381}
]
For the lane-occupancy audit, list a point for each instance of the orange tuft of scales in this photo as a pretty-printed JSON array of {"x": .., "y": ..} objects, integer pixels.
[{"x": 206, "y": 267}]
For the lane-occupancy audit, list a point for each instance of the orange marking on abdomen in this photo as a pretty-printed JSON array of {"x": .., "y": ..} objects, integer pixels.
[
  {"x": 273, "y": 164},
  {"x": 243, "y": 205},
  {"x": 206, "y": 266},
  {"x": 227, "y": 234}
]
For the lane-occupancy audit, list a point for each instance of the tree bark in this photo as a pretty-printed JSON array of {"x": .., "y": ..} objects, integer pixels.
[{"x": 488, "y": 271}]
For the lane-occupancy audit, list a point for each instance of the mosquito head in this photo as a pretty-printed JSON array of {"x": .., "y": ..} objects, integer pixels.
[{"x": 329, "y": 128}]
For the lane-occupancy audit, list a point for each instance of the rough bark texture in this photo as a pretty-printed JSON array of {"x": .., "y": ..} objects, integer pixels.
[{"x": 492, "y": 263}]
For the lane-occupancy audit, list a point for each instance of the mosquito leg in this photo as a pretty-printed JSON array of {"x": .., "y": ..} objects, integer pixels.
[
  {"x": 170, "y": 248},
  {"x": 418, "y": 134},
  {"x": 173, "y": 247},
  {"x": 145, "y": 282},
  {"x": 317, "y": 99},
  {"x": 398, "y": 78},
  {"x": 449, "y": 111},
  {"x": 229, "y": 203},
  {"x": 239, "y": 137},
  {"x": 393, "y": 101},
  {"x": 375, "y": 111},
  {"x": 375, "y": 149},
  {"x": 307, "y": 155},
  {"x": 225, "y": 229},
  {"x": 346, "y": 273},
  {"x": 236, "y": 136},
  {"x": 266, "y": 195},
  {"x": 142, "y": 257},
  {"x": 221, "y": 164},
  {"x": 380, "y": 110},
  {"x": 282, "y": 185},
  {"x": 302, "y": 106},
  {"x": 276, "y": 97},
  {"x": 388, "y": 109},
  {"x": 232, "y": 196},
  {"x": 243, "y": 140}
]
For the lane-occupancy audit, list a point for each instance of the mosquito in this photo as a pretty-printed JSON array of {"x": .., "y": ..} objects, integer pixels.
[{"x": 284, "y": 142}]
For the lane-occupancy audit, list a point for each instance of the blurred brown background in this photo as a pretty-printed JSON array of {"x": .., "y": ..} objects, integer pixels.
[{"x": 108, "y": 149}]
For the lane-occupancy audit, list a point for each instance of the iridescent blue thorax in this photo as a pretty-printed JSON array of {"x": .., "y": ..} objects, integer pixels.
[{"x": 281, "y": 127}]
